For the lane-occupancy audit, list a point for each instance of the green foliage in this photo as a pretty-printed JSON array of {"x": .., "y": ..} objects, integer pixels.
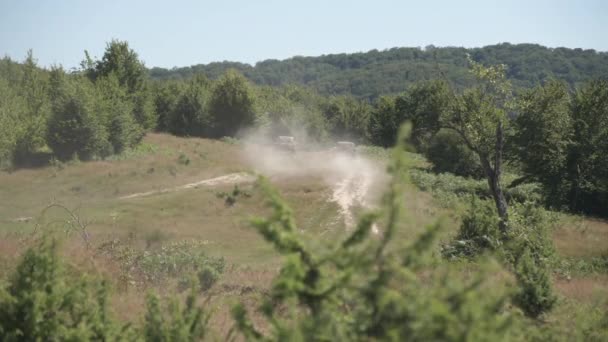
[
  {"x": 384, "y": 122},
  {"x": 30, "y": 132},
  {"x": 231, "y": 105},
  {"x": 117, "y": 111},
  {"x": 172, "y": 323},
  {"x": 166, "y": 97},
  {"x": 362, "y": 289},
  {"x": 42, "y": 303},
  {"x": 24, "y": 110},
  {"x": 454, "y": 188},
  {"x": 367, "y": 75},
  {"x": 560, "y": 142},
  {"x": 528, "y": 250},
  {"x": 424, "y": 104},
  {"x": 231, "y": 197},
  {"x": 207, "y": 276},
  {"x": 448, "y": 153},
  {"x": 588, "y": 161},
  {"x": 535, "y": 295},
  {"x": 478, "y": 232},
  {"x": 293, "y": 111},
  {"x": 75, "y": 128},
  {"x": 12, "y": 108},
  {"x": 190, "y": 116},
  {"x": 156, "y": 266},
  {"x": 530, "y": 228},
  {"x": 347, "y": 118},
  {"x": 123, "y": 62}
]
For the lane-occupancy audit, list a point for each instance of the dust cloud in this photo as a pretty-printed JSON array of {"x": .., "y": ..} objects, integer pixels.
[{"x": 352, "y": 178}]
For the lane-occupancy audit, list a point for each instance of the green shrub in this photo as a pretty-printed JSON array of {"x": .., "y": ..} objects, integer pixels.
[
  {"x": 41, "y": 303},
  {"x": 207, "y": 277},
  {"x": 172, "y": 260},
  {"x": 231, "y": 104},
  {"x": 478, "y": 232},
  {"x": 174, "y": 323},
  {"x": 457, "y": 187},
  {"x": 535, "y": 295},
  {"x": 190, "y": 115},
  {"x": 231, "y": 197},
  {"x": 183, "y": 159},
  {"x": 44, "y": 302},
  {"x": 527, "y": 249},
  {"x": 448, "y": 153},
  {"x": 530, "y": 229},
  {"x": 75, "y": 126}
]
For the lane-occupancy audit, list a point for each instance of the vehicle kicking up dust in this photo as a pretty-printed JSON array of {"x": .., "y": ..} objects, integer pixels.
[{"x": 351, "y": 177}]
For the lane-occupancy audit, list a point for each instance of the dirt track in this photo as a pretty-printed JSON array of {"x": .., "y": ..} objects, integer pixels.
[{"x": 232, "y": 178}]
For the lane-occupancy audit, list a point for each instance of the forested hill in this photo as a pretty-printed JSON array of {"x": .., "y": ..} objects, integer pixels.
[{"x": 372, "y": 73}]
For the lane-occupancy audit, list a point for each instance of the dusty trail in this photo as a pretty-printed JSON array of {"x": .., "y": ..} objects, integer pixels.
[
  {"x": 351, "y": 192},
  {"x": 350, "y": 177},
  {"x": 232, "y": 178}
]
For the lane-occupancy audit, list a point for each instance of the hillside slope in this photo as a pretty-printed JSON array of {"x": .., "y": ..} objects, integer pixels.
[{"x": 373, "y": 73}]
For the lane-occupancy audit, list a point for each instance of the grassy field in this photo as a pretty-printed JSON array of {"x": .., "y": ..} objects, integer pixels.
[{"x": 93, "y": 191}]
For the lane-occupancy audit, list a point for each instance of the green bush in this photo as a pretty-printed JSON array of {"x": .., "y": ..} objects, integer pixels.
[
  {"x": 75, "y": 127},
  {"x": 231, "y": 105},
  {"x": 190, "y": 115},
  {"x": 527, "y": 249},
  {"x": 174, "y": 323},
  {"x": 173, "y": 260},
  {"x": 450, "y": 185},
  {"x": 448, "y": 153},
  {"x": 116, "y": 110},
  {"x": 478, "y": 232},
  {"x": 44, "y": 302},
  {"x": 41, "y": 303},
  {"x": 535, "y": 295},
  {"x": 207, "y": 277}
]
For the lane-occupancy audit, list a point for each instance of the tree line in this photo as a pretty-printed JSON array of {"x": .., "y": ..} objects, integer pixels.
[{"x": 375, "y": 73}]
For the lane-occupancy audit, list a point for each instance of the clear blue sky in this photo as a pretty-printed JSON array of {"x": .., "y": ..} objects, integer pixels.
[{"x": 182, "y": 33}]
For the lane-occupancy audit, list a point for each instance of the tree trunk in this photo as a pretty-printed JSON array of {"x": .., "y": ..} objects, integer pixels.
[{"x": 493, "y": 175}]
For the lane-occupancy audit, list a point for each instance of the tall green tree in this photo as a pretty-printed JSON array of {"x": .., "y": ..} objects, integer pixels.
[
  {"x": 231, "y": 105},
  {"x": 12, "y": 110},
  {"x": 348, "y": 118},
  {"x": 116, "y": 112},
  {"x": 384, "y": 122},
  {"x": 423, "y": 105},
  {"x": 166, "y": 97},
  {"x": 480, "y": 116},
  {"x": 543, "y": 138},
  {"x": 30, "y": 131},
  {"x": 190, "y": 115},
  {"x": 122, "y": 61},
  {"x": 75, "y": 127},
  {"x": 588, "y": 158}
]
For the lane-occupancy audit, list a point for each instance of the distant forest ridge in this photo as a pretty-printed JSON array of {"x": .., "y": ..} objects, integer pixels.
[{"x": 373, "y": 73}]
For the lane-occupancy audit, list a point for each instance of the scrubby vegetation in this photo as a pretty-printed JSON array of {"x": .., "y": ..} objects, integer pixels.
[{"x": 505, "y": 151}]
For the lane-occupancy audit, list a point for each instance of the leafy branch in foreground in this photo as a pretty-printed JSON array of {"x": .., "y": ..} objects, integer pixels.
[{"x": 370, "y": 288}]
